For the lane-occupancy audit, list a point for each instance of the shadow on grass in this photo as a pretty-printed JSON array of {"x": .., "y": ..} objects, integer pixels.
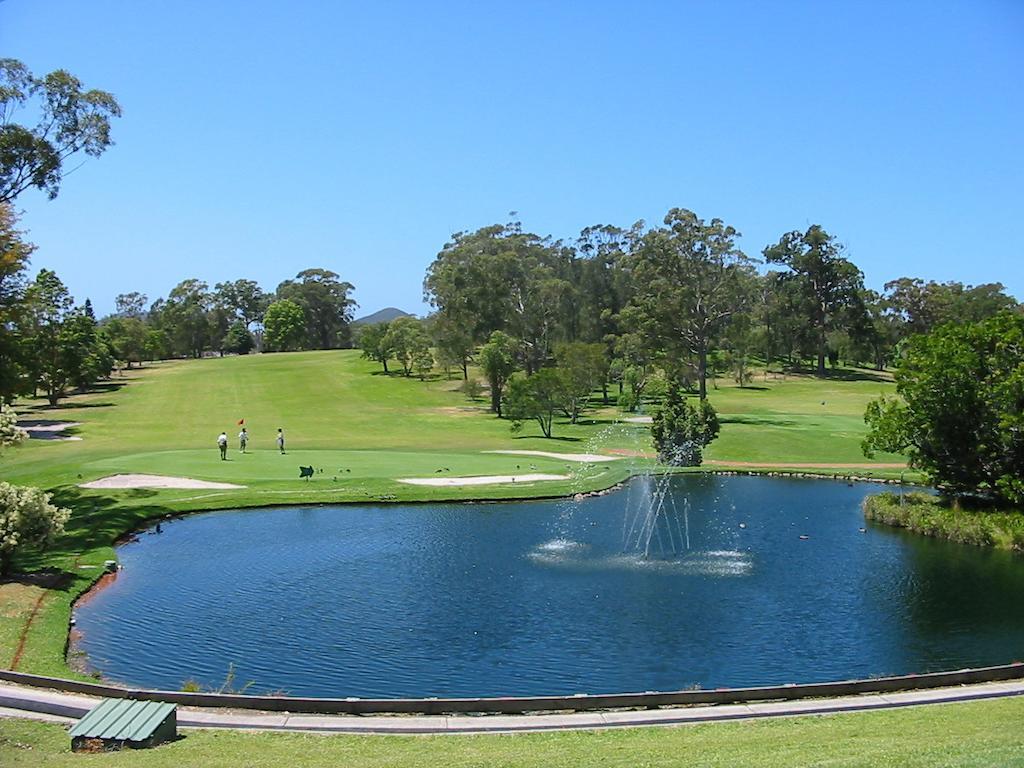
[
  {"x": 553, "y": 438},
  {"x": 105, "y": 386},
  {"x": 856, "y": 375},
  {"x": 96, "y": 520},
  {"x": 40, "y": 407},
  {"x": 840, "y": 374},
  {"x": 761, "y": 421},
  {"x": 47, "y": 578}
]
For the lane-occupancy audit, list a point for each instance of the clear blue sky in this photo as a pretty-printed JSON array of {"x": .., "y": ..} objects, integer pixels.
[{"x": 262, "y": 138}]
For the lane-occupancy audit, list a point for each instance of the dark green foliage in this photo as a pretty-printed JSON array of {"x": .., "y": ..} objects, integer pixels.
[
  {"x": 498, "y": 361},
  {"x": 961, "y": 417},
  {"x": 128, "y": 335},
  {"x": 827, "y": 285},
  {"x": 238, "y": 339},
  {"x": 284, "y": 326},
  {"x": 326, "y": 307},
  {"x": 66, "y": 348},
  {"x": 373, "y": 340},
  {"x": 14, "y": 257},
  {"x": 681, "y": 430},
  {"x": 689, "y": 280},
  {"x": 537, "y": 397},
  {"x": 185, "y": 317},
  {"x": 409, "y": 344},
  {"x": 583, "y": 367}
]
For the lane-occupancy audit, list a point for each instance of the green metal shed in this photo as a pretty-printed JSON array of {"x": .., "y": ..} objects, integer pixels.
[{"x": 116, "y": 723}]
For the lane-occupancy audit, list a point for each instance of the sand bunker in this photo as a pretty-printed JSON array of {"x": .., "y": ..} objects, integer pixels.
[
  {"x": 481, "y": 480},
  {"x": 153, "y": 481},
  {"x": 589, "y": 458},
  {"x": 639, "y": 419}
]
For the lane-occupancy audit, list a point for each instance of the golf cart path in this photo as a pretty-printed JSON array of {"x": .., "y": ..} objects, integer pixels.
[{"x": 43, "y": 704}]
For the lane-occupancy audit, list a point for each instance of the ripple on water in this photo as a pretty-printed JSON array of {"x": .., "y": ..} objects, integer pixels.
[{"x": 536, "y": 598}]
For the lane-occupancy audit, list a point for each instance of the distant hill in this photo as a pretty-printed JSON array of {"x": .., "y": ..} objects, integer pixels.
[{"x": 385, "y": 315}]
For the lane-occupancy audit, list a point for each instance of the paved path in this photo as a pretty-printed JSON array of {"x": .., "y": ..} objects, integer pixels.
[{"x": 37, "y": 703}]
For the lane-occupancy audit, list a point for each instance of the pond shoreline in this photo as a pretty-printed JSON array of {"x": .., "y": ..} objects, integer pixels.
[
  {"x": 570, "y": 551},
  {"x": 79, "y": 664}
]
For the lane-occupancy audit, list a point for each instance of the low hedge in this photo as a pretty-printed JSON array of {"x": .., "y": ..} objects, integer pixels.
[{"x": 965, "y": 523}]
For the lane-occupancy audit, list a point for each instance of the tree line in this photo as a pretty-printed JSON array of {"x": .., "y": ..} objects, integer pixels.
[
  {"x": 672, "y": 306},
  {"x": 50, "y": 345}
]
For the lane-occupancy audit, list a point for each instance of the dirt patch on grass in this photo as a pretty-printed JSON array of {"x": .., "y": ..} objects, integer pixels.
[
  {"x": 154, "y": 481},
  {"x": 458, "y": 410},
  {"x": 480, "y": 480},
  {"x": 18, "y": 599}
]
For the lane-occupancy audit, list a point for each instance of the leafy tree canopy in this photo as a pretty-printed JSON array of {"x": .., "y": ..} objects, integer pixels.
[
  {"x": 960, "y": 418},
  {"x": 68, "y": 120}
]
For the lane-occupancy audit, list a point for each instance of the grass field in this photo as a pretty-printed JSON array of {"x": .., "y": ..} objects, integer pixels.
[
  {"x": 984, "y": 733},
  {"x": 165, "y": 419}
]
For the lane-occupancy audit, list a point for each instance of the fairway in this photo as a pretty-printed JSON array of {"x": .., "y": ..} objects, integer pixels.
[{"x": 364, "y": 429}]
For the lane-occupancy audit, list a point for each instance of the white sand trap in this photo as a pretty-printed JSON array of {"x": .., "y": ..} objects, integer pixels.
[
  {"x": 153, "y": 481},
  {"x": 589, "y": 458},
  {"x": 481, "y": 480},
  {"x": 639, "y": 419}
]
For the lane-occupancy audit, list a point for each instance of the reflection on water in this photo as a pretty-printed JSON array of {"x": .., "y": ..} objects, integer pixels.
[{"x": 779, "y": 583}]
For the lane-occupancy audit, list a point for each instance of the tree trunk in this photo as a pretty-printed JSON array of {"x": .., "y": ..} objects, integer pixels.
[
  {"x": 385, "y": 362},
  {"x": 465, "y": 370},
  {"x": 702, "y": 371},
  {"x": 821, "y": 353},
  {"x": 496, "y": 399}
]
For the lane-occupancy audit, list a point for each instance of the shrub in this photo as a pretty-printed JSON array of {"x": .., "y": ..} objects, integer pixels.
[{"x": 27, "y": 518}]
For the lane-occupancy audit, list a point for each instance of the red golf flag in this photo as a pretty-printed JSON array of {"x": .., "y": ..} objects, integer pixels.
[{"x": 241, "y": 421}]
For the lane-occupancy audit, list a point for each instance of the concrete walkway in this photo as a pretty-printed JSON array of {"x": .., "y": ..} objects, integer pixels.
[{"x": 18, "y": 701}]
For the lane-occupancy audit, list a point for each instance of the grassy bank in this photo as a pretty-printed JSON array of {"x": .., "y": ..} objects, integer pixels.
[
  {"x": 939, "y": 517},
  {"x": 972, "y": 734},
  {"x": 365, "y": 430}
]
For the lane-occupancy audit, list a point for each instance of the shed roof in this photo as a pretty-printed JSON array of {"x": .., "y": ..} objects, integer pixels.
[{"x": 122, "y": 719}]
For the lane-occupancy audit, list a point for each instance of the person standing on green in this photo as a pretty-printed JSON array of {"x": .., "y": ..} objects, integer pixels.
[
  {"x": 222, "y": 443},
  {"x": 280, "y": 439},
  {"x": 243, "y": 438}
]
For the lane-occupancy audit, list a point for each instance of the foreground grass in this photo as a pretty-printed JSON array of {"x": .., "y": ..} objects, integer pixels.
[
  {"x": 984, "y": 733},
  {"x": 938, "y": 517}
]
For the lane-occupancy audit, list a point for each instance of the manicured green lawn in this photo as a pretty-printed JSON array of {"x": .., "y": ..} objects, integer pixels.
[
  {"x": 165, "y": 419},
  {"x": 984, "y": 733}
]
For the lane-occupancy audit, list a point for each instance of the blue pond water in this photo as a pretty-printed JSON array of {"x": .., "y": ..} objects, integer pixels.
[{"x": 539, "y": 598}]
